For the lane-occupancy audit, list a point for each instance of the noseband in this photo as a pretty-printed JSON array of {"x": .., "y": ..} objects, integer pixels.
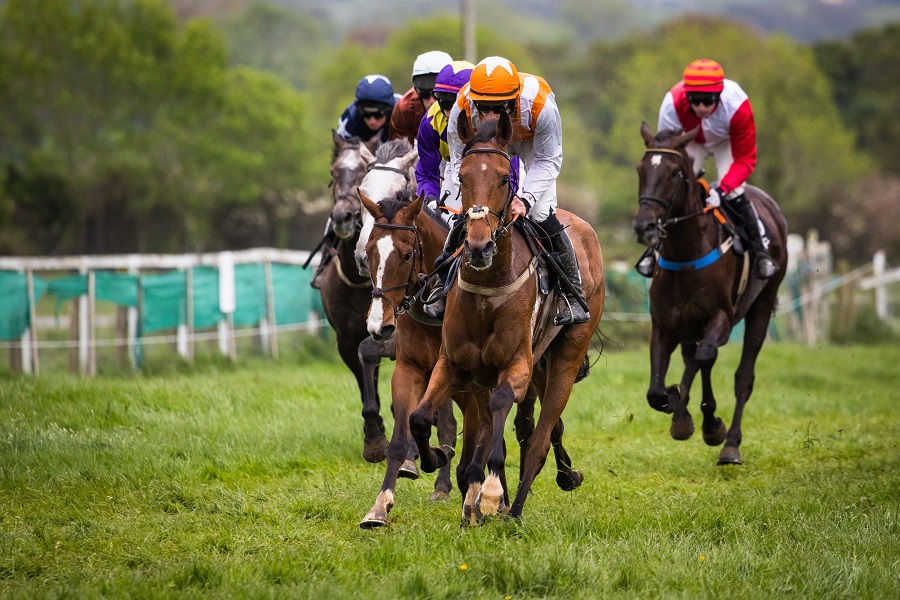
[
  {"x": 409, "y": 287},
  {"x": 481, "y": 212}
]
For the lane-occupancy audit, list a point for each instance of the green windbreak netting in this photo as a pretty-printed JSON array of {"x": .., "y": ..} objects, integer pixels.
[
  {"x": 14, "y": 313},
  {"x": 163, "y": 305}
]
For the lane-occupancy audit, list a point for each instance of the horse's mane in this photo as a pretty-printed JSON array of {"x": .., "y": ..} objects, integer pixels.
[
  {"x": 484, "y": 134},
  {"x": 666, "y": 134},
  {"x": 391, "y": 206},
  {"x": 391, "y": 150}
]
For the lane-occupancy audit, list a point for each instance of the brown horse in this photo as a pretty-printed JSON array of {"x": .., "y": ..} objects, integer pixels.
[
  {"x": 489, "y": 340},
  {"x": 701, "y": 288},
  {"x": 405, "y": 240}
]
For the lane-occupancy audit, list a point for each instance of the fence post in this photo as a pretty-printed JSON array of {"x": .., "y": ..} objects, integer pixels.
[
  {"x": 227, "y": 304},
  {"x": 879, "y": 266},
  {"x": 32, "y": 325}
]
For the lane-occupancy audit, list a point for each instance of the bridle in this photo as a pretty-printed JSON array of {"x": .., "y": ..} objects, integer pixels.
[
  {"x": 409, "y": 287},
  {"x": 662, "y": 223},
  {"x": 481, "y": 212}
]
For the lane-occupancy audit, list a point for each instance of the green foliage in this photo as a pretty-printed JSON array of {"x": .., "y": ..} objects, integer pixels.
[
  {"x": 866, "y": 84},
  {"x": 248, "y": 482}
]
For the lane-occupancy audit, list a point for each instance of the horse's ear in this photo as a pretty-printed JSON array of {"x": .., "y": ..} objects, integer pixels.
[
  {"x": 645, "y": 133},
  {"x": 464, "y": 128},
  {"x": 415, "y": 207},
  {"x": 371, "y": 207},
  {"x": 409, "y": 159},
  {"x": 504, "y": 129},
  {"x": 686, "y": 137},
  {"x": 366, "y": 154}
]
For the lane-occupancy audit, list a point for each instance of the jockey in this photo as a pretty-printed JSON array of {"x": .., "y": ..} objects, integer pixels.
[
  {"x": 369, "y": 115},
  {"x": 418, "y": 99},
  {"x": 496, "y": 85},
  {"x": 721, "y": 109},
  {"x": 367, "y": 119}
]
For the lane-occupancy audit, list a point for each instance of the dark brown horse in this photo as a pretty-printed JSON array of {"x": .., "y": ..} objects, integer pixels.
[
  {"x": 701, "y": 287},
  {"x": 492, "y": 316},
  {"x": 346, "y": 295}
]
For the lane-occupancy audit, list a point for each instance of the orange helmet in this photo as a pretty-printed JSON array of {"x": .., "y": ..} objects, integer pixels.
[
  {"x": 704, "y": 75},
  {"x": 493, "y": 80}
]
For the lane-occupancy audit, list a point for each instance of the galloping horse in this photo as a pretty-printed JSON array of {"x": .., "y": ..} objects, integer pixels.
[
  {"x": 492, "y": 314},
  {"x": 346, "y": 295},
  {"x": 405, "y": 240},
  {"x": 701, "y": 288}
]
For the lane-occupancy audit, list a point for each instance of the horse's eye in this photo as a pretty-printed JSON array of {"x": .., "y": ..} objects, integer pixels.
[
  {"x": 407, "y": 257},
  {"x": 504, "y": 181}
]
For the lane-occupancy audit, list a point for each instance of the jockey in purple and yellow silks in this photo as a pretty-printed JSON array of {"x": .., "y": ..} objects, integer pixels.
[{"x": 432, "y": 139}]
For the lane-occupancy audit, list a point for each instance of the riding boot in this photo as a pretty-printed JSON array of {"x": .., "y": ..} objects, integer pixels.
[
  {"x": 646, "y": 264},
  {"x": 574, "y": 312},
  {"x": 329, "y": 244},
  {"x": 765, "y": 266},
  {"x": 436, "y": 302}
]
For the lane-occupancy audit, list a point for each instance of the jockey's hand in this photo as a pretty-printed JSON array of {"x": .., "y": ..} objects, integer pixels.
[
  {"x": 715, "y": 197},
  {"x": 517, "y": 207}
]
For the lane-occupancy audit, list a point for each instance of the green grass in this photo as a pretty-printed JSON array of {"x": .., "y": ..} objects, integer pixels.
[{"x": 248, "y": 481}]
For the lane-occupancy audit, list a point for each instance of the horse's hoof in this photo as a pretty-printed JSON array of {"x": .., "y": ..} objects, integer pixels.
[
  {"x": 439, "y": 496},
  {"x": 682, "y": 428},
  {"x": 730, "y": 456},
  {"x": 716, "y": 437},
  {"x": 374, "y": 518},
  {"x": 569, "y": 480},
  {"x": 469, "y": 516},
  {"x": 376, "y": 450},
  {"x": 408, "y": 470}
]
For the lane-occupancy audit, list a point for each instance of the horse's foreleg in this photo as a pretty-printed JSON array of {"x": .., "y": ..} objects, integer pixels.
[
  {"x": 446, "y": 431},
  {"x": 478, "y": 429},
  {"x": 444, "y": 382},
  {"x": 524, "y": 423},
  {"x": 713, "y": 427},
  {"x": 512, "y": 387},
  {"x": 658, "y": 396},
  {"x": 406, "y": 387},
  {"x": 375, "y": 443},
  {"x": 682, "y": 427},
  {"x": 567, "y": 478},
  {"x": 756, "y": 323}
]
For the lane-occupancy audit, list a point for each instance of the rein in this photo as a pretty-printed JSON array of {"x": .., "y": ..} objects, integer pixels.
[
  {"x": 409, "y": 294},
  {"x": 661, "y": 224},
  {"x": 383, "y": 167}
]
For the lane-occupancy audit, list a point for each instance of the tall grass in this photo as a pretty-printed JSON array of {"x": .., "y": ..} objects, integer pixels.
[{"x": 249, "y": 482}]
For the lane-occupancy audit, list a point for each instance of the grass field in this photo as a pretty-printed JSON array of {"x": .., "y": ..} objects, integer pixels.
[{"x": 248, "y": 481}]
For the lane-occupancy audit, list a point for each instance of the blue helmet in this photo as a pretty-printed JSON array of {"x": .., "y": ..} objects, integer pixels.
[{"x": 375, "y": 91}]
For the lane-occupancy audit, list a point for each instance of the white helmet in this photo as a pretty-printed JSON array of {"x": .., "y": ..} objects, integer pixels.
[{"x": 431, "y": 64}]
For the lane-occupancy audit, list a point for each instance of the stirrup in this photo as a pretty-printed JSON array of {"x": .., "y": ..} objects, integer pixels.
[{"x": 572, "y": 314}]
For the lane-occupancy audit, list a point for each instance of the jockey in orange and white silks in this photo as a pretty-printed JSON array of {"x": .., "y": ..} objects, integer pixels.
[
  {"x": 496, "y": 86},
  {"x": 537, "y": 131}
]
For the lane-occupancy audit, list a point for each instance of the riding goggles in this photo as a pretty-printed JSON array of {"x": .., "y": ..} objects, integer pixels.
[
  {"x": 445, "y": 99},
  {"x": 495, "y": 107},
  {"x": 704, "y": 99},
  {"x": 423, "y": 94}
]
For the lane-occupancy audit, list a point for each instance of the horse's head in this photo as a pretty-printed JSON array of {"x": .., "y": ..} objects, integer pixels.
[
  {"x": 485, "y": 186},
  {"x": 391, "y": 172},
  {"x": 394, "y": 250},
  {"x": 665, "y": 178},
  {"x": 349, "y": 161}
]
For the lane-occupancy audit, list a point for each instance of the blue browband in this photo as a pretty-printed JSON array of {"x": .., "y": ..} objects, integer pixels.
[{"x": 693, "y": 265}]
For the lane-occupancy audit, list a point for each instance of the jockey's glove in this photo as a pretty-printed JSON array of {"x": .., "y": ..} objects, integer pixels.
[{"x": 715, "y": 197}]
